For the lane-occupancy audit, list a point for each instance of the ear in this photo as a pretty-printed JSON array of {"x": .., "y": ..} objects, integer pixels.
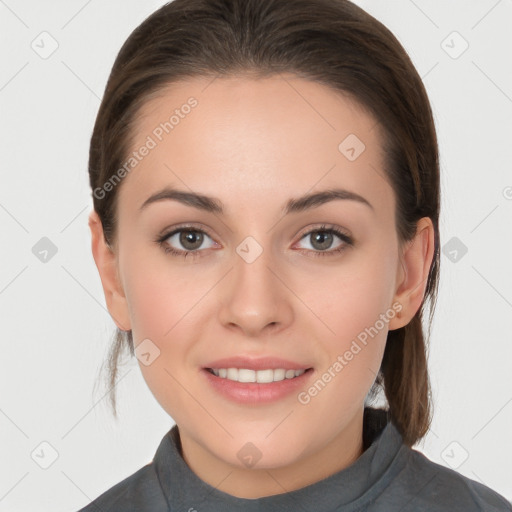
[
  {"x": 107, "y": 265},
  {"x": 414, "y": 266}
]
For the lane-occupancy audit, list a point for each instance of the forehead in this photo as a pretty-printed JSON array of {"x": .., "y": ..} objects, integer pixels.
[{"x": 256, "y": 139}]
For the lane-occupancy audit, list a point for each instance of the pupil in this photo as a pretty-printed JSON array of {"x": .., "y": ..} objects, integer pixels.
[
  {"x": 191, "y": 237},
  {"x": 322, "y": 237}
]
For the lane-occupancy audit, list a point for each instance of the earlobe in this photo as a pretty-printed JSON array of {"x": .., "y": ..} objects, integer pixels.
[
  {"x": 415, "y": 261},
  {"x": 106, "y": 263}
]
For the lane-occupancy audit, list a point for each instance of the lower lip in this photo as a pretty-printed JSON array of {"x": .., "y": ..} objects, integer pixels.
[{"x": 253, "y": 392}]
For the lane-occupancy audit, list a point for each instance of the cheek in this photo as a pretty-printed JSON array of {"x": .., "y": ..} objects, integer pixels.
[
  {"x": 358, "y": 316},
  {"x": 165, "y": 304},
  {"x": 358, "y": 291},
  {"x": 356, "y": 305},
  {"x": 160, "y": 294},
  {"x": 162, "y": 299}
]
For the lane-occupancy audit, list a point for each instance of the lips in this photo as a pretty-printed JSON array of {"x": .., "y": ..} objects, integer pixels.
[{"x": 254, "y": 393}]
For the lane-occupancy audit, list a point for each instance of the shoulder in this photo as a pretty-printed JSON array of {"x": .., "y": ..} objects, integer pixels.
[
  {"x": 429, "y": 486},
  {"x": 138, "y": 492}
]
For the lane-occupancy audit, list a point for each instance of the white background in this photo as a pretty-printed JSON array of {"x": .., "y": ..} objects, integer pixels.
[{"x": 56, "y": 328}]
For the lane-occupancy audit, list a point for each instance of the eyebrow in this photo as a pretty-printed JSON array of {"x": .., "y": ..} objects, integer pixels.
[{"x": 213, "y": 205}]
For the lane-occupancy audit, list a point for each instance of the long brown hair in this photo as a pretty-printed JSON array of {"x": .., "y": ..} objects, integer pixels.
[{"x": 333, "y": 42}]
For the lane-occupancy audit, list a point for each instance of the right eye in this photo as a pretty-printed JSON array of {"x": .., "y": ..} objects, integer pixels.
[{"x": 189, "y": 237}]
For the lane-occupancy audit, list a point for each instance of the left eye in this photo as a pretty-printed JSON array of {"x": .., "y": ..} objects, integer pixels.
[
  {"x": 190, "y": 239},
  {"x": 322, "y": 239}
]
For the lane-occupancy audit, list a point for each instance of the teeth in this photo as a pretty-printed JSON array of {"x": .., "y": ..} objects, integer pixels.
[{"x": 260, "y": 376}]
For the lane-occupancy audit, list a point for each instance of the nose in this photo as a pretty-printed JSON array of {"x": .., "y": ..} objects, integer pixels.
[{"x": 254, "y": 298}]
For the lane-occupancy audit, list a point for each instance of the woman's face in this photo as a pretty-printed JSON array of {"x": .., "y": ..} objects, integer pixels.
[{"x": 261, "y": 280}]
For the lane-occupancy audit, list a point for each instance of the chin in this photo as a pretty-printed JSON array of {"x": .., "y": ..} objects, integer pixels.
[{"x": 261, "y": 452}]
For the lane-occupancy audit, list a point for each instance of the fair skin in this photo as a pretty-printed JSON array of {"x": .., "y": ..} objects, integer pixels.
[{"x": 253, "y": 145}]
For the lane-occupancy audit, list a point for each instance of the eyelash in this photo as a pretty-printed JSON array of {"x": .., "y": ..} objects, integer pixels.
[{"x": 348, "y": 242}]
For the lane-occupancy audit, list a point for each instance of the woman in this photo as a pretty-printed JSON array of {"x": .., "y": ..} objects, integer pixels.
[{"x": 265, "y": 181}]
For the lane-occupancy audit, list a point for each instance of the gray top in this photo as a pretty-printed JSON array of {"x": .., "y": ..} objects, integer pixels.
[{"x": 388, "y": 476}]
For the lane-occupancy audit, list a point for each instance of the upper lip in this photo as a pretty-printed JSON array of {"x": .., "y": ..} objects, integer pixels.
[{"x": 259, "y": 363}]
